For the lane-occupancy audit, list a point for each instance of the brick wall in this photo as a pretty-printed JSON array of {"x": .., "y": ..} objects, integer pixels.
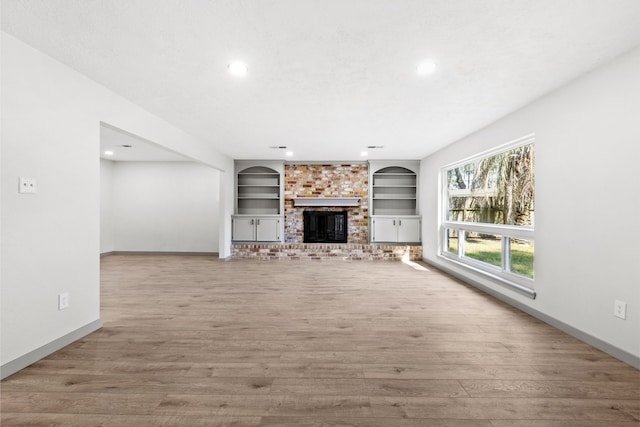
[{"x": 329, "y": 180}]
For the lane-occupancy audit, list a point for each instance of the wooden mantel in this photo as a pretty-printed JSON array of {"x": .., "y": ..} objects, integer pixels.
[{"x": 326, "y": 201}]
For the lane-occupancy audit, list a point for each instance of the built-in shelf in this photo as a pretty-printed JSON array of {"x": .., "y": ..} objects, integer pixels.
[
  {"x": 394, "y": 186},
  {"x": 394, "y": 191},
  {"x": 258, "y": 191},
  {"x": 261, "y": 197},
  {"x": 393, "y": 198},
  {"x": 326, "y": 201}
]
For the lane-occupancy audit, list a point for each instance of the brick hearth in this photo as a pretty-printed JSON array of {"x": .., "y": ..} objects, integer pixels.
[{"x": 320, "y": 251}]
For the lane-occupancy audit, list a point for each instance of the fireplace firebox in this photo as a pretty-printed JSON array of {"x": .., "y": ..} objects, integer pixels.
[{"x": 325, "y": 227}]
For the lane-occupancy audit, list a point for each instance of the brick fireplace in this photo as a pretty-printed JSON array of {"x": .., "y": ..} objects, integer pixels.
[{"x": 326, "y": 181}]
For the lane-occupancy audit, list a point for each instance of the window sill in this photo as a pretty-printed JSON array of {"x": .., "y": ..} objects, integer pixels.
[{"x": 493, "y": 276}]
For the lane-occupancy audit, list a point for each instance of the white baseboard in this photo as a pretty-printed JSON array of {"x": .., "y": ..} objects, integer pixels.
[
  {"x": 32, "y": 357},
  {"x": 103, "y": 254}
]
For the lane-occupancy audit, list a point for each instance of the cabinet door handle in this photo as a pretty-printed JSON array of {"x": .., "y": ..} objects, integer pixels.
[
  {"x": 251, "y": 222},
  {"x": 399, "y": 222},
  {"x": 257, "y": 222},
  {"x": 394, "y": 222}
]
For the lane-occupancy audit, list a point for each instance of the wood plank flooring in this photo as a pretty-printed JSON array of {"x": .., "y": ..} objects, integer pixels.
[{"x": 192, "y": 341}]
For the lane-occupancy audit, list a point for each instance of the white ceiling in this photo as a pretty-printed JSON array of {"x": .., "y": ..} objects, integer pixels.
[{"x": 329, "y": 77}]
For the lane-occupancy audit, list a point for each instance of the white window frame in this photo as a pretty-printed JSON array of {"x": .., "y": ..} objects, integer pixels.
[{"x": 501, "y": 275}]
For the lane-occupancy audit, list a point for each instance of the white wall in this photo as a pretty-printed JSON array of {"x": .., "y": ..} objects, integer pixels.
[
  {"x": 107, "y": 231},
  {"x": 164, "y": 206},
  {"x": 587, "y": 202},
  {"x": 50, "y": 241}
]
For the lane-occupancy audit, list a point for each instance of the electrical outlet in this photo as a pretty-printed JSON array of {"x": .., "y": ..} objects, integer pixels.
[
  {"x": 620, "y": 309},
  {"x": 27, "y": 185},
  {"x": 63, "y": 301}
]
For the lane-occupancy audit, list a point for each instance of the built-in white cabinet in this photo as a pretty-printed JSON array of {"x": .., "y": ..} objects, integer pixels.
[
  {"x": 398, "y": 229},
  {"x": 259, "y": 202},
  {"x": 394, "y": 202},
  {"x": 256, "y": 229},
  {"x": 384, "y": 229},
  {"x": 409, "y": 229}
]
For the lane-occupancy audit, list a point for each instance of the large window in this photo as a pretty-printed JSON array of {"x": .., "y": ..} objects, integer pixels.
[{"x": 488, "y": 218}]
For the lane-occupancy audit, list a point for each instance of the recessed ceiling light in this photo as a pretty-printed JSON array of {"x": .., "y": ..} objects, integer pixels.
[
  {"x": 289, "y": 153},
  {"x": 426, "y": 67},
  {"x": 364, "y": 153},
  {"x": 108, "y": 153},
  {"x": 238, "y": 68}
]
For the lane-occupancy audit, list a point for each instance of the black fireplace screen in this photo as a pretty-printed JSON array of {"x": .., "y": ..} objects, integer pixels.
[{"x": 325, "y": 227}]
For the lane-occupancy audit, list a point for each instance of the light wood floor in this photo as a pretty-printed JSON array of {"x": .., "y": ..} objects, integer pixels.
[{"x": 192, "y": 341}]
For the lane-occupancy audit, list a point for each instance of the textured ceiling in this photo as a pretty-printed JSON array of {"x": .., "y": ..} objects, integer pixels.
[{"x": 328, "y": 77}]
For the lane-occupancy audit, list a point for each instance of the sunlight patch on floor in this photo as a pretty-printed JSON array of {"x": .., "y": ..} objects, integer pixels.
[{"x": 406, "y": 259}]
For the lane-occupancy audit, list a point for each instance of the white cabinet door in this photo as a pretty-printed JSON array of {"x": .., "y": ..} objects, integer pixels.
[
  {"x": 409, "y": 230},
  {"x": 384, "y": 230},
  {"x": 244, "y": 229},
  {"x": 267, "y": 229}
]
